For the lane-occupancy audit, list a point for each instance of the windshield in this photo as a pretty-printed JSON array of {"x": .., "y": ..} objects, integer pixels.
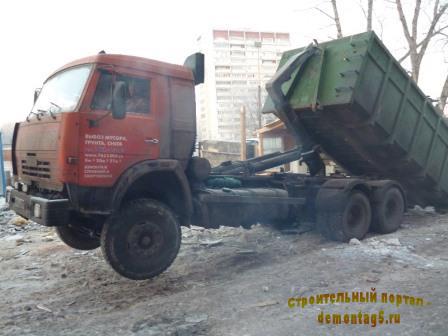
[{"x": 61, "y": 92}]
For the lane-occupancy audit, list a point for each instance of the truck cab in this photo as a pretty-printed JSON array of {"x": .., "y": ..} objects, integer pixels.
[{"x": 104, "y": 130}]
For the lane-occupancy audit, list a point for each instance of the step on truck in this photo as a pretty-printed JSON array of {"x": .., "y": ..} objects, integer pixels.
[{"x": 106, "y": 154}]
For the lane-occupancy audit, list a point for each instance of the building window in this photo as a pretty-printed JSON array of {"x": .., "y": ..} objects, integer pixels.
[
  {"x": 221, "y": 44},
  {"x": 272, "y": 145},
  {"x": 237, "y": 53},
  {"x": 234, "y": 47}
]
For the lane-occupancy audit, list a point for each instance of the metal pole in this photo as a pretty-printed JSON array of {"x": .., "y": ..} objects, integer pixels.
[
  {"x": 258, "y": 46},
  {"x": 260, "y": 144},
  {"x": 2, "y": 168},
  {"x": 243, "y": 132}
]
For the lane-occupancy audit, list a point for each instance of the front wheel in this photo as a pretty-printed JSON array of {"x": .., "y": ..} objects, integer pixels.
[
  {"x": 78, "y": 237},
  {"x": 141, "y": 240}
]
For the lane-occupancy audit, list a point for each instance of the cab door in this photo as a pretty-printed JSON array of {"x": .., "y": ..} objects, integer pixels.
[{"x": 109, "y": 146}]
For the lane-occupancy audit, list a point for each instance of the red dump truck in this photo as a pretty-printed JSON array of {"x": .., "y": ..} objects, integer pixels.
[{"x": 105, "y": 155}]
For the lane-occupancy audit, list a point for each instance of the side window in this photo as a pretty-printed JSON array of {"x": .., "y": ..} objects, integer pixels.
[
  {"x": 103, "y": 94},
  {"x": 138, "y": 97},
  {"x": 138, "y": 94}
]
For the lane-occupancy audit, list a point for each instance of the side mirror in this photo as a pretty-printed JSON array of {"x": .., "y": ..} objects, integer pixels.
[
  {"x": 119, "y": 95},
  {"x": 195, "y": 63},
  {"x": 36, "y": 93}
]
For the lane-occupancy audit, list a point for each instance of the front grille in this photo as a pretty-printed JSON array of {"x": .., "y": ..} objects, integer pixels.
[{"x": 35, "y": 168}]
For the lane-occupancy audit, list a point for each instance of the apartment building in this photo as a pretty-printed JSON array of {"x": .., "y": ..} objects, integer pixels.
[{"x": 238, "y": 63}]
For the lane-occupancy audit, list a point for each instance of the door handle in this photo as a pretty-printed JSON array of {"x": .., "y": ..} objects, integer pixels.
[{"x": 152, "y": 140}]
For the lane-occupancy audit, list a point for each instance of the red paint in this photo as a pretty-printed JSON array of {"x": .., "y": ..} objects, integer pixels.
[{"x": 103, "y": 151}]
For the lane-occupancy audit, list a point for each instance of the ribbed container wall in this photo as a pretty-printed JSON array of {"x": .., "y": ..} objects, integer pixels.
[{"x": 366, "y": 112}]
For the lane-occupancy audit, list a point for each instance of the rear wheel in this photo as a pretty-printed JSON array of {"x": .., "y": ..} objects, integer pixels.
[
  {"x": 78, "y": 236},
  {"x": 388, "y": 212},
  {"x": 352, "y": 220},
  {"x": 141, "y": 240}
]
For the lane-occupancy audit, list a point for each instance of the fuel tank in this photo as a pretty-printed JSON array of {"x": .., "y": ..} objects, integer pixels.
[{"x": 243, "y": 206}]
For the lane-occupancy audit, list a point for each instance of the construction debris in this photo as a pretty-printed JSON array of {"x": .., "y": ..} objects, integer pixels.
[
  {"x": 18, "y": 221},
  {"x": 354, "y": 241},
  {"x": 42, "y": 307},
  {"x": 211, "y": 242},
  {"x": 264, "y": 304},
  {"x": 418, "y": 210},
  {"x": 196, "y": 318},
  {"x": 218, "y": 277}
]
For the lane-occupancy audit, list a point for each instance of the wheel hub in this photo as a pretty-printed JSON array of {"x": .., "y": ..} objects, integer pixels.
[{"x": 145, "y": 239}]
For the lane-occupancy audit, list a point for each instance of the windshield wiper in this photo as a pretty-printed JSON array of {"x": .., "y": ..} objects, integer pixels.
[
  {"x": 49, "y": 110},
  {"x": 42, "y": 112},
  {"x": 56, "y": 105},
  {"x": 36, "y": 114}
]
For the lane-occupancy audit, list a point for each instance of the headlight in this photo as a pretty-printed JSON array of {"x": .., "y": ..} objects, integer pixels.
[{"x": 37, "y": 210}]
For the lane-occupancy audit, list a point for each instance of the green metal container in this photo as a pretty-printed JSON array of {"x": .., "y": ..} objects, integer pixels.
[{"x": 365, "y": 111}]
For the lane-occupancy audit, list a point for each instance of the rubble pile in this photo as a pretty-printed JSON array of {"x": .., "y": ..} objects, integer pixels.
[{"x": 11, "y": 224}]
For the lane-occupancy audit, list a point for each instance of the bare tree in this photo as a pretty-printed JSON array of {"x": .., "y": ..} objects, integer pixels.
[
  {"x": 443, "y": 95},
  {"x": 417, "y": 49},
  {"x": 337, "y": 21},
  {"x": 334, "y": 17},
  {"x": 369, "y": 14},
  {"x": 418, "y": 35}
]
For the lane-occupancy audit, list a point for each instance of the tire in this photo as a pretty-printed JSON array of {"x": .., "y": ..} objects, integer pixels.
[
  {"x": 388, "y": 213},
  {"x": 141, "y": 240},
  {"x": 350, "y": 221},
  {"x": 74, "y": 237}
]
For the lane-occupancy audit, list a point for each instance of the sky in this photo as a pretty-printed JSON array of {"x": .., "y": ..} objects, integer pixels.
[{"x": 38, "y": 37}]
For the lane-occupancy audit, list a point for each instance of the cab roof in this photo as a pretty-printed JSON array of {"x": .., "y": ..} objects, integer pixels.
[{"x": 134, "y": 62}]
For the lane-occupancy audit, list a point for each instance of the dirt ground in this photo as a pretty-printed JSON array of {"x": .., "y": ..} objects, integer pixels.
[{"x": 226, "y": 282}]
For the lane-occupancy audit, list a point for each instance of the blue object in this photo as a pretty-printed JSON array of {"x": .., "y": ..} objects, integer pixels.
[{"x": 2, "y": 170}]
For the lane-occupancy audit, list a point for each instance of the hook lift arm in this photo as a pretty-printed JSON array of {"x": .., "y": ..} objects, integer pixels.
[{"x": 285, "y": 112}]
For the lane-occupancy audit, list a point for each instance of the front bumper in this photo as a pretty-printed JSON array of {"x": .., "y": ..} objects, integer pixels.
[{"x": 40, "y": 210}]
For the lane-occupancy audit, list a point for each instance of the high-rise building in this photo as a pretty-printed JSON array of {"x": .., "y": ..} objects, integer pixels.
[{"x": 238, "y": 63}]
